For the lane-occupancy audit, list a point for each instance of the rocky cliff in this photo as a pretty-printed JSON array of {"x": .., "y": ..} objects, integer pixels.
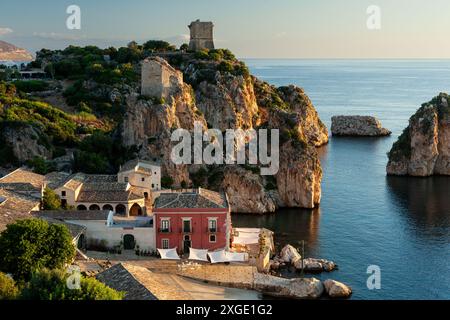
[
  {"x": 423, "y": 149},
  {"x": 222, "y": 95},
  {"x": 24, "y": 140},
  {"x": 13, "y": 53}
]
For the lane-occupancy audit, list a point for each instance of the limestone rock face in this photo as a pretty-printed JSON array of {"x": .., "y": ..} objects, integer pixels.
[
  {"x": 357, "y": 126},
  {"x": 148, "y": 125},
  {"x": 25, "y": 141},
  {"x": 230, "y": 103},
  {"x": 336, "y": 289},
  {"x": 424, "y": 147},
  {"x": 246, "y": 192},
  {"x": 306, "y": 115},
  {"x": 299, "y": 177}
]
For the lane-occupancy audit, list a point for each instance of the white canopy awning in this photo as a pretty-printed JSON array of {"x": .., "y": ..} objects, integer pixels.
[
  {"x": 197, "y": 254},
  {"x": 169, "y": 254},
  {"x": 218, "y": 256}
]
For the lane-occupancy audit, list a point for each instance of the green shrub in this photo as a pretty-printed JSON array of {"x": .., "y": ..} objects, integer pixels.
[
  {"x": 50, "y": 200},
  {"x": 401, "y": 149},
  {"x": 33, "y": 244},
  {"x": 52, "y": 285},
  {"x": 40, "y": 165},
  {"x": 31, "y": 85},
  {"x": 167, "y": 182},
  {"x": 8, "y": 289},
  {"x": 90, "y": 162},
  {"x": 202, "y": 54}
]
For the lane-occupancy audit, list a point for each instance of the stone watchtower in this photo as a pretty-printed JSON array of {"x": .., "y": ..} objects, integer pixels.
[
  {"x": 201, "y": 35},
  {"x": 159, "y": 78}
]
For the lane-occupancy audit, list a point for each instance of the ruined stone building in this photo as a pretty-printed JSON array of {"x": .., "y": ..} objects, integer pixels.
[
  {"x": 159, "y": 78},
  {"x": 201, "y": 35}
]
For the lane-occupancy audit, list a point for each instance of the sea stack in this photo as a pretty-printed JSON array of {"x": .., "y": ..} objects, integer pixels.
[
  {"x": 423, "y": 149},
  {"x": 362, "y": 126}
]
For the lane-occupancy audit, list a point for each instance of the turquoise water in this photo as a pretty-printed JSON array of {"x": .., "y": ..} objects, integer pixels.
[{"x": 400, "y": 224}]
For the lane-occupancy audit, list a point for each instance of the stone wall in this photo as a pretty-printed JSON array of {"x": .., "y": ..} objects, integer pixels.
[{"x": 159, "y": 79}]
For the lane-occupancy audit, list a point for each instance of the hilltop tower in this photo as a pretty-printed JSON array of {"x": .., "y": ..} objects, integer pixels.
[{"x": 201, "y": 35}]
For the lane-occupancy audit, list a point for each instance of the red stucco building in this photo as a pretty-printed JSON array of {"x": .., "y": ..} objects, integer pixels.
[{"x": 199, "y": 219}]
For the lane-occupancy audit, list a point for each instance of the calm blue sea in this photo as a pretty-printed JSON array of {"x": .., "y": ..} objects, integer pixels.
[{"x": 401, "y": 225}]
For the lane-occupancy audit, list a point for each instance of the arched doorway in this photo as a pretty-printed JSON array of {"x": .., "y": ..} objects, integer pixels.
[
  {"x": 121, "y": 210},
  {"x": 108, "y": 207},
  {"x": 94, "y": 207},
  {"x": 128, "y": 242},
  {"x": 135, "y": 210},
  {"x": 81, "y": 208}
]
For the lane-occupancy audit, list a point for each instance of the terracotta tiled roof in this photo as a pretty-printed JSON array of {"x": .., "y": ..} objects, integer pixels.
[
  {"x": 54, "y": 180},
  {"x": 23, "y": 175},
  {"x": 121, "y": 279},
  {"x": 73, "y": 214},
  {"x": 105, "y": 186},
  {"x": 101, "y": 178},
  {"x": 75, "y": 181},
  {"x": 135, "y": 165},
  {"x": 15, "y": 206},
  {"x": 139, "y": 283},
  {"x": 107, "y": 196},
  {"x": 201, "y": 198}
]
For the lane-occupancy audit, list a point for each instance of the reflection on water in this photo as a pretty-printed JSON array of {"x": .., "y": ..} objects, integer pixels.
[
  {"x": 291, "y": 226},
  {"x": 426, "y": 202}
]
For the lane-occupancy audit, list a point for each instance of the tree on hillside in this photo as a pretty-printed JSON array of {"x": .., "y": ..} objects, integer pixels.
[
  {"x": 50, "y": 200},
  {"x": 52, "y": 285},
  {"x": 8, "y": 289},
  {"x": 33, "y": 244}
]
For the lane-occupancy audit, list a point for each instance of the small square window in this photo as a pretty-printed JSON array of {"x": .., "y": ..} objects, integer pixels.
[
  {"x": 165, "y": 243},
  {"x": 143, "y": 179},
  {"x": 212, "y": 238},
  {"x": 63, "y": 193},
  {"x": 125, "y": 179}
]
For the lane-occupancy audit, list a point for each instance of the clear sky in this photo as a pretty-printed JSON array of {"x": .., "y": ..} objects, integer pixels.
[{"x": 250, "y": 28}]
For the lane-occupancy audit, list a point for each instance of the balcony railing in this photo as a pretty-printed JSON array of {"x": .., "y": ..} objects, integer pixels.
[{"x": 165, "y": 230}]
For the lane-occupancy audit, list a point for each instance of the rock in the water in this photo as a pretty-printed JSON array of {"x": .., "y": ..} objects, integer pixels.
[
  {"x": 303, "y": 288},
  {"x": 423, "y": 149},
  {"x": 298, "y": 288},
  {"x": 364, "y": 126},
  {"x": 315, "y": 265},
  {"x": 289, "y": 254},
  {"x": 336, "y": 289}
]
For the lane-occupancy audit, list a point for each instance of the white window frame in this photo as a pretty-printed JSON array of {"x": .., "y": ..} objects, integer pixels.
[
  {"x": 210, "y": 220},
  {"x": 163, "y": 241},
  {"x": 215, "y": 238},
  {"x": 162, "y": 222}
]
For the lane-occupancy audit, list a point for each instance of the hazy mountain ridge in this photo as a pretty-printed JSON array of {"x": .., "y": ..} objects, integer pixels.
[{"x": 9, "y": 51}]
